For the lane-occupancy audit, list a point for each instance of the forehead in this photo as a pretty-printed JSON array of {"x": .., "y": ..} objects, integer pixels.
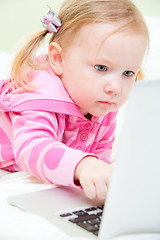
[
  {"x": 88, "y": 38},
  {"x": 94, "y": 33},
  {"x": 100, "y": 39}
]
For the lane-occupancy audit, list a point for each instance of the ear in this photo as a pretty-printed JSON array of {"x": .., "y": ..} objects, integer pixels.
[{"x": 55, "y": 58}]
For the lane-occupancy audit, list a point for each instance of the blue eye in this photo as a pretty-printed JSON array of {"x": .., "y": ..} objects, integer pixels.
[
  {"x": 100, "y": 68},
  {"x": 128, "y": 73}
]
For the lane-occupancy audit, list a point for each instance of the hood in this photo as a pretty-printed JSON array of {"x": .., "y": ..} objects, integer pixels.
[{"x": 50, "y": 95}]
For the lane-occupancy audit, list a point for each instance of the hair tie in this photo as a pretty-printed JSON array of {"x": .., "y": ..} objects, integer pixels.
[{"x": 52, "y": 23}]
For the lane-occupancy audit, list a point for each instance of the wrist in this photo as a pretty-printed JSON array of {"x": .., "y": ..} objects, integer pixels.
[{"x": 80, "y": 166}]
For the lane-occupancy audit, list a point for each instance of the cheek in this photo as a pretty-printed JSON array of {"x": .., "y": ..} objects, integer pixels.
[
  {"x": 125, "y": 93},
  {"x": 68, "y": 77}
]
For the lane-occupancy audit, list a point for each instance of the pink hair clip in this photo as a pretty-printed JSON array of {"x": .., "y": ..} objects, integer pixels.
[{"x": 52, "y": 23}]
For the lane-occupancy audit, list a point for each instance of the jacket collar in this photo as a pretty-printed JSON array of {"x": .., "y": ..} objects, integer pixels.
[{"x": 50, "y": 95}]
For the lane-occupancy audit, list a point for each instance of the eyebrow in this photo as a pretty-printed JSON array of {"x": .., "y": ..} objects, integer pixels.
[
  {"x": 108, "y": 61},
  {"x": 105, "y": 60},
  {"x": 134, "y": 67}
]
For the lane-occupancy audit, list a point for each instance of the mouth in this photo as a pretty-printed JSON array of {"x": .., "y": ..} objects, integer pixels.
[{"x": 107, "y": 103}]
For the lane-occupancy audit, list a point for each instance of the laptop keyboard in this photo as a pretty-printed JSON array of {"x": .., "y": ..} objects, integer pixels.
[{"x": 88, "y": 218}]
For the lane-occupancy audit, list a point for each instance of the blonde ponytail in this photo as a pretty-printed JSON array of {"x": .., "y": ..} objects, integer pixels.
[{"x": 25, "y": 60}]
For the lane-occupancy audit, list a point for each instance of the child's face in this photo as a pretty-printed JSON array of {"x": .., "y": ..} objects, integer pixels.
[{"x": 98, "y": 78}]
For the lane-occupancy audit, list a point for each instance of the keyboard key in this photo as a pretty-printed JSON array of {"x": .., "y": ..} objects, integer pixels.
[
  {"x": 82, "y": 218},
  {"x": 99, "y": 214},
  {"x": 80, "y": 213},
  {"x": 66, "y": 214},
  {"x": 100, "y": 207},
  {"x": 96, "y": 233},
  {"x": 94, "y": 221},
  {"x": 90, "y": 209},
  {"x": 90, "y": 228}
]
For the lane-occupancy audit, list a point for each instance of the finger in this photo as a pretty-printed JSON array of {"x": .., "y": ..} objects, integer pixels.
[
  {"x": 101, "y": 190},
  {"x": 89, "y": 189}
]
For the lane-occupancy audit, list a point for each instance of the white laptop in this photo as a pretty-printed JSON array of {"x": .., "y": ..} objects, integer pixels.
[{"x": 133, "y": 203}]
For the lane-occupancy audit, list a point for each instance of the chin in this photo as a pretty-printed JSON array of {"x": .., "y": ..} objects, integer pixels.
[{"x": 100, "y": 114}]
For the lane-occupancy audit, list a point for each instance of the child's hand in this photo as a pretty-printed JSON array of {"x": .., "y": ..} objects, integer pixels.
[{"x": 94, "y": 176}]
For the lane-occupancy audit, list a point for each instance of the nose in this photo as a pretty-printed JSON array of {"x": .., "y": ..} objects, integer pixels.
[{"x": 113, "y": 87}]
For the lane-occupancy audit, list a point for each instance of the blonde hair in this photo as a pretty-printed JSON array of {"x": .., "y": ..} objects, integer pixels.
[{"x": 74, "y": 14}]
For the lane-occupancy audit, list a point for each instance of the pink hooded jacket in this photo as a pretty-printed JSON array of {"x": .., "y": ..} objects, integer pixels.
[{"x": 45, "y": 133}]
